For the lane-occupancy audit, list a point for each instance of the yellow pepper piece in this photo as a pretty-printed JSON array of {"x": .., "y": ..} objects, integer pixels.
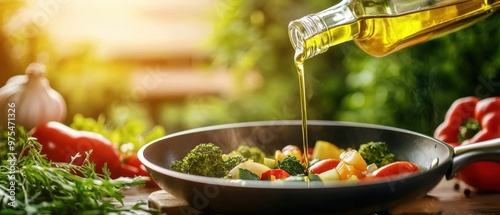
[
  {"x": 324, "y": 150},
  {"x": 353, "y": 158}
]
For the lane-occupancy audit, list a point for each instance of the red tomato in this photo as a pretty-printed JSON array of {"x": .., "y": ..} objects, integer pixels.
[
  {"x": 133, "y": 160},
  {"x": 60, "y": 143},
  {"x": 399, "y": 168},
  {"x": 324, "y": 165},
  {"x": 277, "y": 173}
]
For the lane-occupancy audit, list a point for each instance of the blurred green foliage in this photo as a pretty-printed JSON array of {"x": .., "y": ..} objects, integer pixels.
[
  {"x": 128, "y": 135},
  {"x": 11, "y": 45},
  {"x": 248, "y": 36},
  {"x": 413, "y": 88},
  {"x": 410, "y": 89}
]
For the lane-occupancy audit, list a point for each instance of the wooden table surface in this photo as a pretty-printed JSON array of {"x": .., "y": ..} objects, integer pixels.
[
  {"x": 456, "y": 202},
  {"x": 453, "y": 201}
]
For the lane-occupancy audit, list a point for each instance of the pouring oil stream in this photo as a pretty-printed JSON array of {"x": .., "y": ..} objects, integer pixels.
[{"x": 299, "y": 65}]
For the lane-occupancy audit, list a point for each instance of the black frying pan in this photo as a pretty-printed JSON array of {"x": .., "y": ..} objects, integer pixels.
[{"x": 225, "y": 196}]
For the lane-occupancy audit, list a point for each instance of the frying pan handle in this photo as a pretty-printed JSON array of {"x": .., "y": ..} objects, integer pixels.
[
  {"x": 482, "y": 151},
  {"x": 484, "y": 145}
]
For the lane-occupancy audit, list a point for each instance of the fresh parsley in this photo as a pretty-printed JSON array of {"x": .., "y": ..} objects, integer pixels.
[{"x": 30, "y": 184}]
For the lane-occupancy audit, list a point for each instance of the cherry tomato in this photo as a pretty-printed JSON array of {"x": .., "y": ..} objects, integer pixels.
[
  {"x": 60, "y": 143},
  {"x": 274, "y": 174},
  {"x": 324, "y": 165},
  {"x": 398, "y": 168}
]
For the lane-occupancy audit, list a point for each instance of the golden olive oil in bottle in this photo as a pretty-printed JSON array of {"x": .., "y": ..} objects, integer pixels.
[{"x": 378, "y": 27}]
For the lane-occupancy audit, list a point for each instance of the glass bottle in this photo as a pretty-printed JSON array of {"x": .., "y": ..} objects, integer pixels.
[{"x": 380, "y": 27}]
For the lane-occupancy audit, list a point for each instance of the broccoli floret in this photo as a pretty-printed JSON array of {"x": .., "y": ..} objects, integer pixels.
[
  {"x": 250, "y": 152},
  {"x": 205, "y": 160},
  {"x": 291, "y": 165},
  {"x": 176, "y": 166},
  {"x": 231, "y": 161},
  {"x": 377, "y": 153}
]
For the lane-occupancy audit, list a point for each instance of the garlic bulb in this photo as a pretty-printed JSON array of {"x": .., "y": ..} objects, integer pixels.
[{"x": 28, "y": 100}]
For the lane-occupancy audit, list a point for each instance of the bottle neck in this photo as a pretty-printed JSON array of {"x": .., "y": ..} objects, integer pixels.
[
  {"x": 302, "y": 32},
  {"x": 494, "y": 3}
]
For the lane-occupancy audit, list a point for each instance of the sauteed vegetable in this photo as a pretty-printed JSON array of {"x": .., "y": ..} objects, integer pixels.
[{"x": 329, "y": 163}]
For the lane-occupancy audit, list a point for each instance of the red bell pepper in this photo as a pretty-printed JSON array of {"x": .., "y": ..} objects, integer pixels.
[
  {"x": 277, "y": 173},
  {"x": 470, "y": 120},
  {"x": 60, "y": 143}
]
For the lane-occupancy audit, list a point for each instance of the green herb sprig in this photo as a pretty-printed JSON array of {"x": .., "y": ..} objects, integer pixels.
[{"x": 30, "y": 184}]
